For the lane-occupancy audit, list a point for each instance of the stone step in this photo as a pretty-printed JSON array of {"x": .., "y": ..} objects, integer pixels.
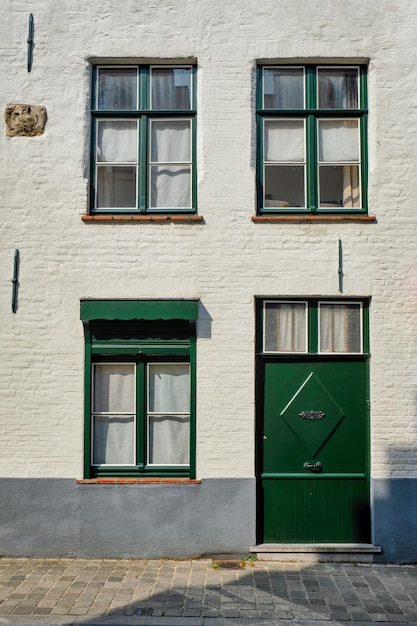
[{"x": 317, "y": 552}]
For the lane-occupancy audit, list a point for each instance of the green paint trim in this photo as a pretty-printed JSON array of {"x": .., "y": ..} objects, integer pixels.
[
  {"x": 87, "y": 401},
  {"x": 313, "y": 333},
  {"x": 138, "y": 309},
  {"x": 315, "y": 477},
  {"x": 144, "y": 114},
  {"x": 142, "y": 182},
  {"x": 141, "y": 434},
  {"x": 141, "y": 352},
  {"x": 311, "y": 113},
  {"x": 193, "y": 401}
]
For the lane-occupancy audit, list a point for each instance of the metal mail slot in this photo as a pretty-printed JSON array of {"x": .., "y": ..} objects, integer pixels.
[{"x": 312, "y": 415}]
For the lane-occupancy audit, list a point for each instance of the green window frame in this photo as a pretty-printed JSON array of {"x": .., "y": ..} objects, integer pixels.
[
  {"x": 325, "y": 327},
  {"x": 140, "y": 388},
  {"x": 143, "y": 137},
  {"x": 312, "y": 139}
]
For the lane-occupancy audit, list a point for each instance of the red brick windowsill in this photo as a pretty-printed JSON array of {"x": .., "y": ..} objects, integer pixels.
[
  {"x": 164, "y": 219},
  {"x": 137, "y": 481},
  {"x": 313, "y": 218}
]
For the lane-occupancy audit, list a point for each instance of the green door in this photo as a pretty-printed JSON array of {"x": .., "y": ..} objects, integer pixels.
[{"x": 313, "y": 448}]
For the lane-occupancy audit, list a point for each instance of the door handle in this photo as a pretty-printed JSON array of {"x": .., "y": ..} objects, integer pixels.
[{"x": 313, "y": 467}]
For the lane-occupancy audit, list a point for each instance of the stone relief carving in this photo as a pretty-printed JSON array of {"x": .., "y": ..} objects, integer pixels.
[{"x": 24, "y": 120}]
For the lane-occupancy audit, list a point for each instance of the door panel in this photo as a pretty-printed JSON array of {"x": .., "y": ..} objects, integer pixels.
[{"x": 315, "y": 450}]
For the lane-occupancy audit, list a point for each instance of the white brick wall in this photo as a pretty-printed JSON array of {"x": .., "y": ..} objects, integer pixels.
[{"x": 227, "y": 260}]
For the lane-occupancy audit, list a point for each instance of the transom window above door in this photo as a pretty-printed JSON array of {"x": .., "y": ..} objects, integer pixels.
[
  {"x": 143, "y": 139},
  {"x": 314, "y": 326},
  {"x": 312, "y": 139}
]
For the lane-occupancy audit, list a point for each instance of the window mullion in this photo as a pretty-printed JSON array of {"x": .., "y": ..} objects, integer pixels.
[
  {"x": 143, "y": 107},
  {"x": 143, "y": 163},
  {"x": 311, "y": 137},
  {"x": 312, "y": 167},
  {"x": 141, "y": 414},
  {"x": 313, "y": 329},
  {"x": 363, "y": 122}
]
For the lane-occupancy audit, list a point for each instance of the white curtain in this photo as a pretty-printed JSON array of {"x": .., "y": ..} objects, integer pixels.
[
  {"x": 117, "y": 141},
  {"x": 114, "y": 393},
  {"x": 351, "y": 195},
  {"x": 114, "y": 388},
  {"x": 338, "y": 141},
  {"x": 285, "y": 327},
  {"x": 171, "y": 163},
  {"x": 169, "y": 388},
  {"x": 113, "y": 440},
  {"x": 169, "y": 440},
  {"x": 284, "y": 140},
  {"x": 169, "y": 418},
  {"x": 340, "y": 328}
]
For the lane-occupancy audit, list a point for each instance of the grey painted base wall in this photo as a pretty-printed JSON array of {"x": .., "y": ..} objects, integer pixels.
[
  {"x": 58, "y": 517},
  {"x": 395, "y": 518}
]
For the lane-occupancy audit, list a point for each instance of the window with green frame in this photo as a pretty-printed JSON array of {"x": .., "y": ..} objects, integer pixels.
[
  {"x": 312, "y": 139},
  {"x": 143, "y": 139},
  {"x": 139, "y": 388},
  {"x": 303, "y": 326}
]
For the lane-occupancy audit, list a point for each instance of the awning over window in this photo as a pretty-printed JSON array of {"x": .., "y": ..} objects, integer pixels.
[{"x": 169, "y": 309}]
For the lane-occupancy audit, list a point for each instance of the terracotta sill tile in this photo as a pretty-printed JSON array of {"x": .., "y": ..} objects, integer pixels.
[
  {"x": 137, "y": 481},
  {"x": 159, "y": 219},
  {"x": 258, "y": 219}
]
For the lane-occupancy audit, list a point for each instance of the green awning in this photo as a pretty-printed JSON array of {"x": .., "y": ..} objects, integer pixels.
[{"x": 169, "y": 309}]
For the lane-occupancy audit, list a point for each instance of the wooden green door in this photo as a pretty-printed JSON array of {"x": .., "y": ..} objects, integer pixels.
[{"x": 313, "y": 441}]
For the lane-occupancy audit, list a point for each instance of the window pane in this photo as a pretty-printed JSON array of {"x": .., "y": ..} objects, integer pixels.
[
  {"x": 170, "y": 141},
  {"x": 284, "y": 140},
  {"x": 338, "y": 140},
  {"x": 339, "y": 186},
  {"x": 117, "y": 89},
  {"x": 338, "y": 88},
  {"x": 113, "y": 440},
  {"x": 171, "y": 88},
  {"x": 340, "y": 327},
  {"x": 169, "y": 388},
  {"x": 170, "y": 187},
  {"x": 114, "y": 388},
  {"x": 283, "y": 88},
  {"x": 169, "y": 440},
  {"x": 284, "y": 186},
  {"x": 117, "y": 142},
  {"x": 285, "y": 327},
  {"x": 116, "y": 187}
]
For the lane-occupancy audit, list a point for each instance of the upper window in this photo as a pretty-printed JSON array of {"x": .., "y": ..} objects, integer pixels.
[
  {"x": 312, "y": 139},
  {"x": 315, "y": 326},
  {"x": 143, "y": 135}
]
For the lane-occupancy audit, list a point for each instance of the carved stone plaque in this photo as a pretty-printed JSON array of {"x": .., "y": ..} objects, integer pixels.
[{"x": 24, "y": 120}]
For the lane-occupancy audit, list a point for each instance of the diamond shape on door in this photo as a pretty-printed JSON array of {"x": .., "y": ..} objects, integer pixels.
[{"x": 312, "y": 414}]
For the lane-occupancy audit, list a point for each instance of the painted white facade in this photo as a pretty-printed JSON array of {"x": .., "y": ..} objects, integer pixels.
[{"x": 225, "y": 261}]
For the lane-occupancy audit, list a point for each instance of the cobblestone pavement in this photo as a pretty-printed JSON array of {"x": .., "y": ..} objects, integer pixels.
[{"x": 78, "y": 588}]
